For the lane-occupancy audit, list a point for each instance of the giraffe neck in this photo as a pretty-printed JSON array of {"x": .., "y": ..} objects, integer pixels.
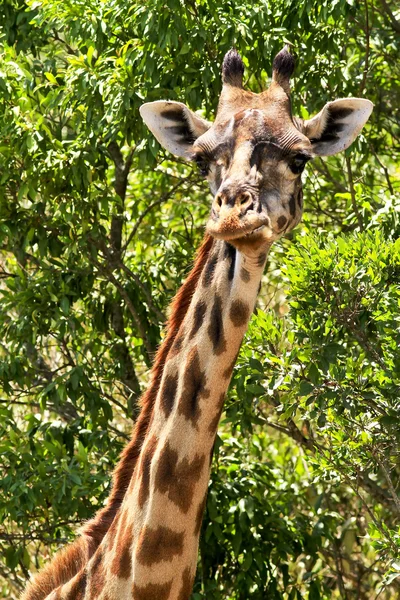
[
  {"x": 162, "y": 511},
  {"x": 150, "y": 550}
]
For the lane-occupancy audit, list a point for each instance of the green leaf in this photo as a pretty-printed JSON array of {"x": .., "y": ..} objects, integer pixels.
[
  {"x": 50, "y": 77},
  {"x": 314, "y": 593},
  {"x": 305, "y": 388},
  {"x": 64, "y": 303},
  {"x": 248, "y": 559},
  {"x": 89, "y": 55}
]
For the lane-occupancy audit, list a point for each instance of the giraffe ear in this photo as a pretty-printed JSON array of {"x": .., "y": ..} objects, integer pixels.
[
  {"x": 174, "y": 125},
  {"x": 337, "y": 125}
]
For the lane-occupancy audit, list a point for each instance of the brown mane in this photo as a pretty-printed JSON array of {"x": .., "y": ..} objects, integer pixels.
[{"x": 67, "y": 563}]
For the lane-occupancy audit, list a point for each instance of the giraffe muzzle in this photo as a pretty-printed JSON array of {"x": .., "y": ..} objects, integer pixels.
[{"x": 235, "y": 216}]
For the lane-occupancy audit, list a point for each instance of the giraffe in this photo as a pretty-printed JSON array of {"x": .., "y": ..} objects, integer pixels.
[{"x": 143, "y": 545}]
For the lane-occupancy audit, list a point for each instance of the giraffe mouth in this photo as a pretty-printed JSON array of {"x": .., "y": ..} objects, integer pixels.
[
  {"x": 255, "y": 231},
  {"x": 233, "y": 228}
]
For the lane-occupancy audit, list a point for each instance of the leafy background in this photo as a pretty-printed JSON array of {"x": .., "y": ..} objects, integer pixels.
[{"x": 98, "y": 229}]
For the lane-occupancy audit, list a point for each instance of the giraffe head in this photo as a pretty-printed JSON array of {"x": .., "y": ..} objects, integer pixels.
[{"x": 254, "y": 152}]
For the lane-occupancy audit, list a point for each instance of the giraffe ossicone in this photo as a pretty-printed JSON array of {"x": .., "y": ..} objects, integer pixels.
[{"x": 143, "y": 545}]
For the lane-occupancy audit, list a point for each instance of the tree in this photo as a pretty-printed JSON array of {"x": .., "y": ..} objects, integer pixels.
[{"x": 97, "y": 231}]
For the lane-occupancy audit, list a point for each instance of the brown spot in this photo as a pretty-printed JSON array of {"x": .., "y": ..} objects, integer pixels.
[
  {"x": 212, "y": 428},
  {"x": 216, "y": 327},
  {"x": 198, "y": 319},
  {"x": 157, "y": 545},
  {"x": 228, "y": 371},
  {"x": 209, "y": 270},
  {"x": 78, "y": 587},
  {"x": 230, "y": 254},
  {"x": 187, "y": 584},
  {"x": 177, "y": 345},
  {"x": 178, "y": 479},
  {"x": 97, "y": 575},
  {"x": 168, "y": 393},
  {"x": 145, "y": 464},
  {"x": 239, "y": 313},
  {"x": 261, "y": 259},
  {"x": 193, "y": 388},
  {"x": 282, "y": 220},
  {"x": 199, "y": 515},
  {"x": 96, "y": 561},
  {"x": 292, "y": 205},
  {"x": 152, "y": 591},
  {"x": 122, "y": 562},
  {"x": 244, "y": 275}
]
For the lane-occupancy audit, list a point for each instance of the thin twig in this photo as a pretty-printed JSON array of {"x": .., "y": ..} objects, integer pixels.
[
  {"x": 144, "y": 289},
  {"x": 339, "y": 570},
  {"x": 116, "y": 261},
  {"x": 385, "y": 470},
  {"x": 385, "y": 170},
  {"x": 366, "y": 64},
  {"x": 393, "y": 21},
  {"x": 353, "y": 193},
  {"x": 377, "y": 524},
  {"x": 129, "y": 304},
  {"x": 144, "y": 214},
  {"x": 326, "y": 173},
  {"x": 58, "y": 39}
]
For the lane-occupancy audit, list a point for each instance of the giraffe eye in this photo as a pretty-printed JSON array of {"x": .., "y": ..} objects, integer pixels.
[
  {"x": 298, "y": 163},
  {"x": 203, "y": 165}
]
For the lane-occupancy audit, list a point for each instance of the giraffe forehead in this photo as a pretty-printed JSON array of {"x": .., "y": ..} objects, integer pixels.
[
  {"x": 248, "y": 127},
  {"x": 247, "y": 124},
  {"x": 257, "y": 126}
]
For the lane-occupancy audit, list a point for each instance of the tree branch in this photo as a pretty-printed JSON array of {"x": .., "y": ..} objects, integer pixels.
[
  {"x": 366, "y": 64},
  {"x": 393, "y": 21},
  {"x": 144, "y": 214},
  {"x": 353, "y": 193},
  {"x": 312, "y": 445},
  {"x": 385, "y": 470},
  {"x": 143, "y": 334}
]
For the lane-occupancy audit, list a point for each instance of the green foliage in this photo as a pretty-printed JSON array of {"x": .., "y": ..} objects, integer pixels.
[
  {"x": 98, "y": 229},
  {"x": 330, "y": 372}
]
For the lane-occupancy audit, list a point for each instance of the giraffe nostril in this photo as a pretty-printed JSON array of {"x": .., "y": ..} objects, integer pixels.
[
  {"x": 245, "y": 202},
  {"x": 242, "y": 201},
  {"x": 245, "y": 199}
]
